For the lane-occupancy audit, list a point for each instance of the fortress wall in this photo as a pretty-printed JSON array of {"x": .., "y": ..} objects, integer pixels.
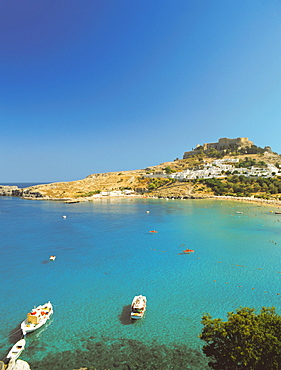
[{"x": 241, "y": 142}]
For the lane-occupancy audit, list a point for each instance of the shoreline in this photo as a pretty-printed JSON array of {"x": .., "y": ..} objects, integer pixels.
[{"x": 267, "y": 202}]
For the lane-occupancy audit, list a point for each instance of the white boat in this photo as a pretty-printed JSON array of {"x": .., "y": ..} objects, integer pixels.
[
  {"x": 37, "y": 318},
  {"x": 138, "y": 307},
  {"x": 16, "y": 350}
]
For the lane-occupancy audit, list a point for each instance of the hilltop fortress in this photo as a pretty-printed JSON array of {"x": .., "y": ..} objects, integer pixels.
[
  {"x": 225, "y": 143},
  {"x": 222, "y": 144}
]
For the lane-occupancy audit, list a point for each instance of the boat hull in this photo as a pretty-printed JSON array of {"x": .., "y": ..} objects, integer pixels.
[
  {"x": 134, "y": 317},
  {"x": 27, "y": 328},
  {"x": 16, "y": 350},
  {"x": 138, "y": 307}
]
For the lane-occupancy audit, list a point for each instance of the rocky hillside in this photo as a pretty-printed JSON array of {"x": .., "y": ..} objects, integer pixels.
[{"x": 151, "y": 181}]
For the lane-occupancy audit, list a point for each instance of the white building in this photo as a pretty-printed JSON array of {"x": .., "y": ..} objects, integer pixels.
[{"x": 218, "y": 168}]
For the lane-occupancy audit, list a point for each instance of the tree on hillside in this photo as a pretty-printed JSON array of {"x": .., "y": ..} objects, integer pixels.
[
  {"x": 245, "y": 341},
  {"x": 168, "y": 170}
]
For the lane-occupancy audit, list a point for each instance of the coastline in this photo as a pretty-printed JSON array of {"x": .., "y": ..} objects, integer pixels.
[
  {"x": 267, "y": 202},
  {"x": 34, "y": 193}
]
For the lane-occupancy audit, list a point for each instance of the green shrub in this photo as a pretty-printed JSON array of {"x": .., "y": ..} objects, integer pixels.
[{"x": 245, "y": 341}]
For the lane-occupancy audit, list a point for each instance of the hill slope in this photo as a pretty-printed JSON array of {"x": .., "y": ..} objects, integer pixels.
[{"x": 151, "y": 181}]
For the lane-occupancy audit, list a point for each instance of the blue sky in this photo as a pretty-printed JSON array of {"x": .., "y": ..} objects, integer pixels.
[{"x": 94, "y": 86}]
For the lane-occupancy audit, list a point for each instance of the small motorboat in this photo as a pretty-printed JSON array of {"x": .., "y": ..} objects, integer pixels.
[
  {"x": 37, "y": 318},
  {"x": 52, "y": 258},
  {"x": 16, "y": 350},
  {"x": 188, "y": 251},
  {"x": 138, "y": 307},
  {"x": 153, "y": 231}
]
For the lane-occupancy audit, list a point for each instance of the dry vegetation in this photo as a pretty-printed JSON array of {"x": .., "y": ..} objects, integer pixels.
[{"x": 138, "y": 181}]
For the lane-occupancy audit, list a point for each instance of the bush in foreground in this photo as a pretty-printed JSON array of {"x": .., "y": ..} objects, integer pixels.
[{"x": 245, "y": 341}]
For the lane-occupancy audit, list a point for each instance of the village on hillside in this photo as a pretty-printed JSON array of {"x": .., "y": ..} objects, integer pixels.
[{"x": 222, "y": 168}]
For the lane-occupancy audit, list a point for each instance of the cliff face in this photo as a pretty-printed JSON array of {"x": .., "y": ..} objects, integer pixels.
[{"x": 14, "y": 191}]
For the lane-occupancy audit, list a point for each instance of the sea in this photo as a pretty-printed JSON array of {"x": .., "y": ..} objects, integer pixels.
[{"x": 106, "y": 254}]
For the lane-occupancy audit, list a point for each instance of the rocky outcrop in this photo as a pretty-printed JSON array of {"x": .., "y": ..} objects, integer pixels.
[
  {"x": 8, "y": 190},
  {"x": 14, "y": 191}
]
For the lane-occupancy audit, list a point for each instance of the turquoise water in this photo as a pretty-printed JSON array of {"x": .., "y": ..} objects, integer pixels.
[{"x": 106, "y": 255}]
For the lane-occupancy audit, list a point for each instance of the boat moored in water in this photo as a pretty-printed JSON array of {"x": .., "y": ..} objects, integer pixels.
[
  {"x": 16, "y": 350},
  {"x": 37, "y": 318},
  {"x": 138, "y": 307}
]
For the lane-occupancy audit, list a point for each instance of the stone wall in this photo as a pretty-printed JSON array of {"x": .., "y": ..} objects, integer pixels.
[{"x": 223, "y": 143}]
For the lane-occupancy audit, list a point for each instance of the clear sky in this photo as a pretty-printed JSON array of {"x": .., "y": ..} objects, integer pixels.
[{"x": 94, "y": 86}]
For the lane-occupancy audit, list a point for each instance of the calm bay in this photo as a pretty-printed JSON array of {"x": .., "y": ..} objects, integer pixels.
[{"x": 105, "y": 255}]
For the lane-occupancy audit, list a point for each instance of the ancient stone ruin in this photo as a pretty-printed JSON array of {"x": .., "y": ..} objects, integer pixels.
[{"x": 223, "y": 143}]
